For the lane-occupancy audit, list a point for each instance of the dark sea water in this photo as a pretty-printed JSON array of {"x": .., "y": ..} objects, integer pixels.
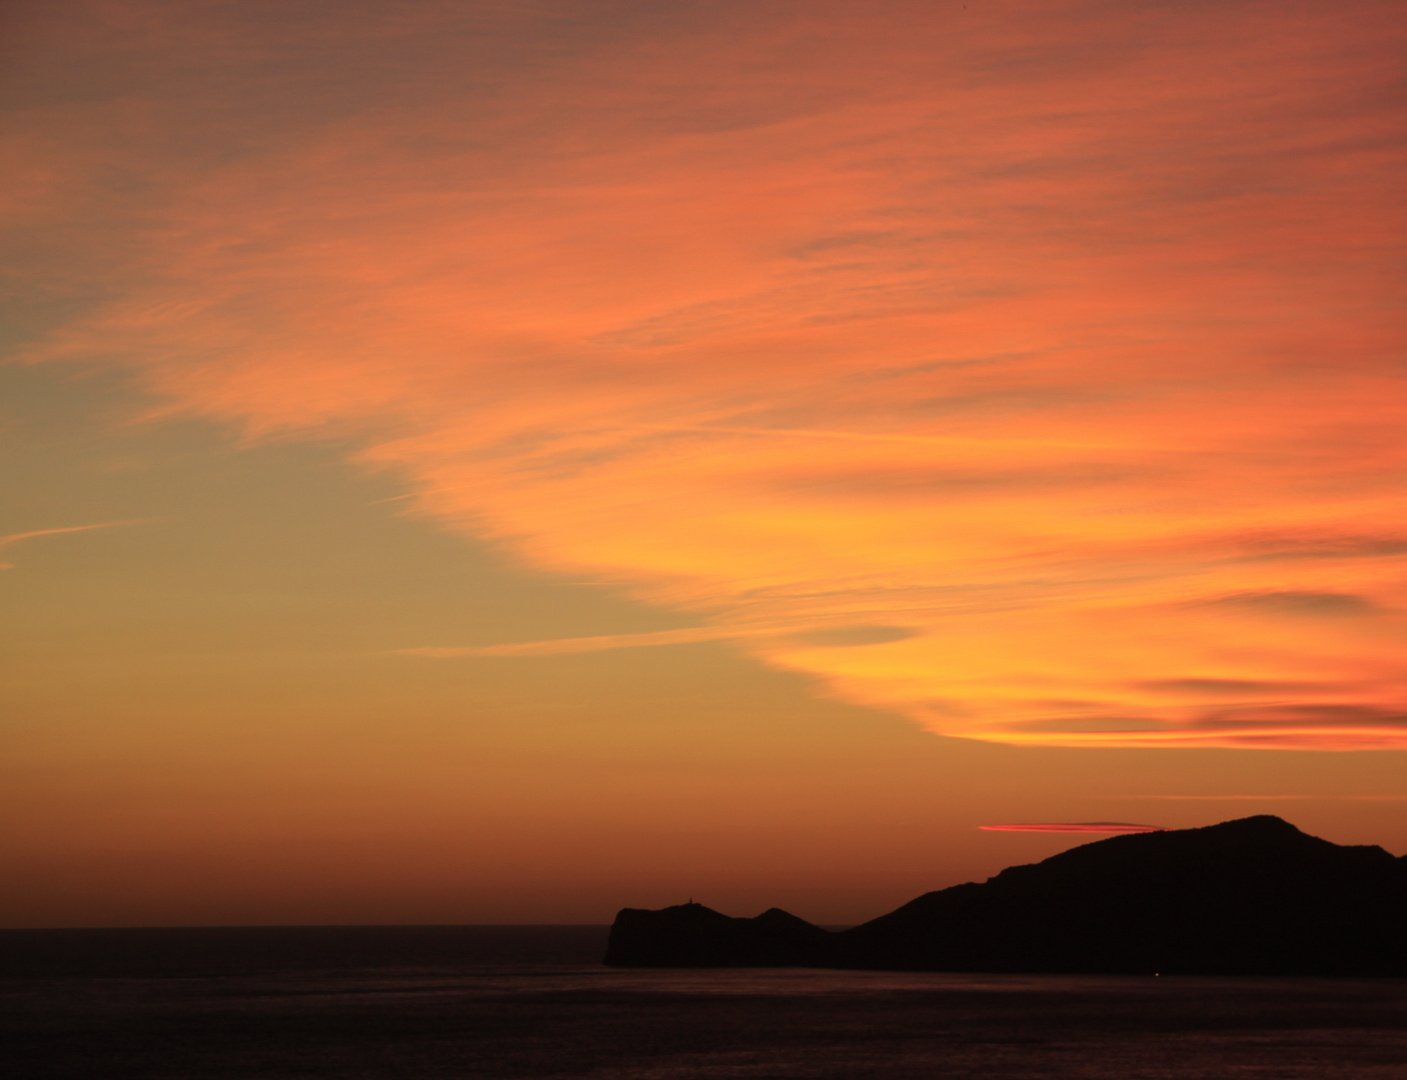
[{"x": 412, "y": 1002}]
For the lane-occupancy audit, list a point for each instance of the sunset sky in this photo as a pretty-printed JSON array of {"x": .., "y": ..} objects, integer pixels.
[{"x": 491, "y": 461}]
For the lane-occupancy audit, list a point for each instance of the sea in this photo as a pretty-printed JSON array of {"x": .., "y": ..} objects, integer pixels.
[{"x": 413, "y": 1002}]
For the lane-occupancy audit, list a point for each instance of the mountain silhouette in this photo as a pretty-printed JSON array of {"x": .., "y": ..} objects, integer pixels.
[
  {"x": 691, "y": 935},
  {"x": 1249, "y": 897}
]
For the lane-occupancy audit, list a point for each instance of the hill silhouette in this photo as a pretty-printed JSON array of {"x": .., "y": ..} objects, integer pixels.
[{"x": 1249, "y": 897}]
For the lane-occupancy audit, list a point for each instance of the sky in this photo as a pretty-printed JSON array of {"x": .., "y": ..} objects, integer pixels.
[{"x": 503, "y": 462}]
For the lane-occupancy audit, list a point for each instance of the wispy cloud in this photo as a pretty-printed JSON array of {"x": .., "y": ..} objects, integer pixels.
[
  {"x": 15, "y": 538},
  {"x": 1075, "y": 827},
  {"x": 1260, "y": 798},
  {"x": 828, "y": 637},
  {"x": 1064, "y": 336},
  {"x": 1300, "y": 603},
  {"x": 560, "y": 646},
  {"x": 33, "y": 534}
]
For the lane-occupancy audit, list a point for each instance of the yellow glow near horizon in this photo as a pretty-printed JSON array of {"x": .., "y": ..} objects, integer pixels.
[{"x": 502, "y": 462}]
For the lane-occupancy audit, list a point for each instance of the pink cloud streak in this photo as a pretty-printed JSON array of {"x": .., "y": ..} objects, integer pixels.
[{"x": 1076, "y": 827}]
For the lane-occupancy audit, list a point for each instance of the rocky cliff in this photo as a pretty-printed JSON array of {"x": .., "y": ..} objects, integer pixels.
[{"x": 1252, "y": 897}]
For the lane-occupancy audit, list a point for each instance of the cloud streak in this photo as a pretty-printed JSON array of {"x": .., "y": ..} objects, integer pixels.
[
  {"x": 15, "y": 538},
  {"x": 563, "y": 646},
  {"x": 1075, "y": 827},
  {"x": 1261, "y": 798},
  {"x": 1061, "y": 338},
  {"x": 824, "y": 637}
]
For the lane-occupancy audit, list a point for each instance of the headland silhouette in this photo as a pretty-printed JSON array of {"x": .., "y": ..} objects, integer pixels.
[{"x": 1253, "y": 896}]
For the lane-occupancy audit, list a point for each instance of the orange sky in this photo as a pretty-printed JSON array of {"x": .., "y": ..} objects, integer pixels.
[{"x": 1029, "y": 372}]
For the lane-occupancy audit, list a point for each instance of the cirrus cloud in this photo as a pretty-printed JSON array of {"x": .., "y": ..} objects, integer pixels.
[
  {"x": 1075, "y": 827},
  {"x": 1059, "y": 341}
]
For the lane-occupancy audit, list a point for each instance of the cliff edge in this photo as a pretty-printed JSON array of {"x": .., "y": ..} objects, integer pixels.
[{"x": 1249, "y": 897}]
